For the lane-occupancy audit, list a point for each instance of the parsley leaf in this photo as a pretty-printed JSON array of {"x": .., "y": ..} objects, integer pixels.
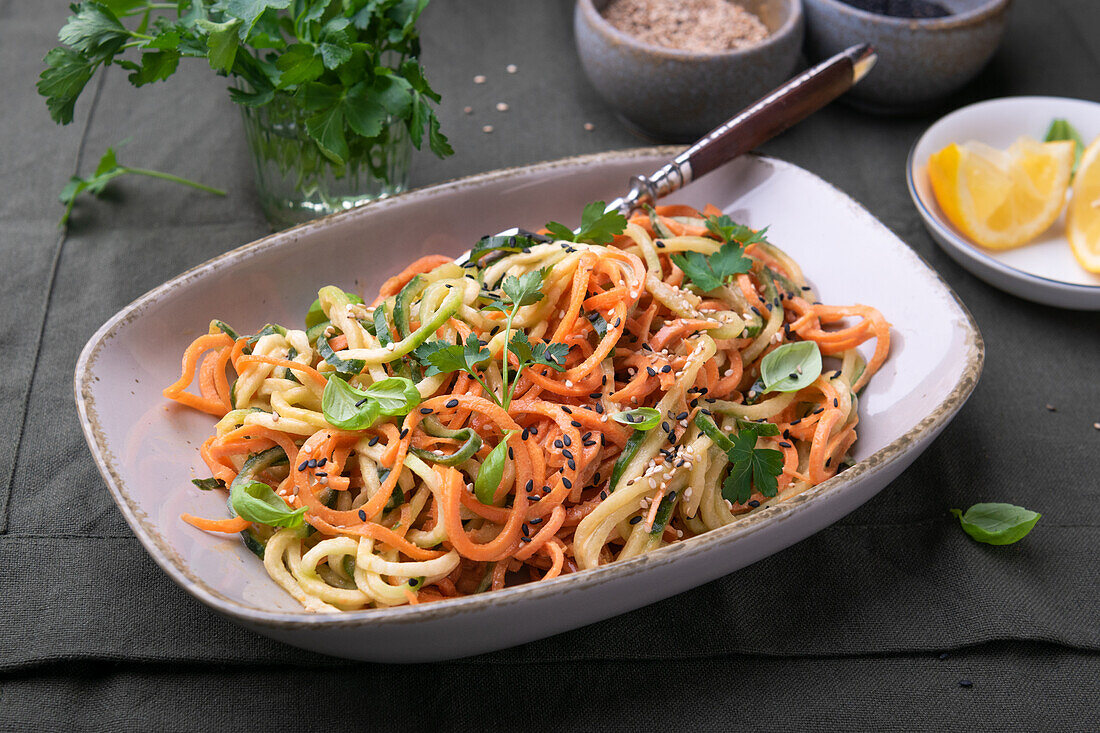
[
  {"x": 727, "y": 230},
  {"x": 108, "y": 170},
  {"x": 598, "y": 226},
  {"x": 761, "y": 465},
  {"x": 523, "y": 290},
  {"x": 749, "y": 466},
  {"x": 440, "y": 358}
]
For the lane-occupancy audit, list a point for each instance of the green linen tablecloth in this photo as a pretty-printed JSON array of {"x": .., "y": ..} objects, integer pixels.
[{"x": 845, "y": 629}]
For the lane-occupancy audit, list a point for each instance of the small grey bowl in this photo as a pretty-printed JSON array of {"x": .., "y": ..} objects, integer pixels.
[
  {"x": 678, "y": 96},
  {"x": 919, "y": 60}
]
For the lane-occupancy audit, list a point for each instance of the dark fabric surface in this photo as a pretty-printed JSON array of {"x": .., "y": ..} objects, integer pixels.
[{"x": 849, "y": 620}]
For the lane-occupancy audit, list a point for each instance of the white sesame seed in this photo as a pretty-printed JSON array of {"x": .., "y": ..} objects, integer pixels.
[
  {"x": 468, "y": 110},
  {"x": 589, "y": 126},
  {"x": 569, "y": 383},
  {"x": 479, "y": 79},
  {"x": 502, "y": 107},
  {"x": 487, "y": 129},
  {"x": 511, "y": 68}
]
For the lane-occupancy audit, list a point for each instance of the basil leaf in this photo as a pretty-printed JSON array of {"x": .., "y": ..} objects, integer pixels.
[
  {"x": 791, "y": 367},
  {"x": 348, "y": 408},
  {"x": 997, "y": 523},
  {"x": 642, "y": 418},
  {"x": 256, "y": 502},
  {"x": 395, "y": 396},
  {"x": 1061, "y": 130},
  {"x": 491, "y": 471}
]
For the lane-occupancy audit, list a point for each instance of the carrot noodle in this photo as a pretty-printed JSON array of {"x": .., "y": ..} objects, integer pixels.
[{"x": 390, "y": 520}]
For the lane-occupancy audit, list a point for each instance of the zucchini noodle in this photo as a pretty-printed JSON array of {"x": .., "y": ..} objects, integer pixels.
[{"x": 388, "y": 514}]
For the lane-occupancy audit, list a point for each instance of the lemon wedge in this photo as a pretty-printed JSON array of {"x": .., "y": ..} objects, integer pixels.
[
  {"x": 1083, "y": 219},
  {"x": 1002, "y": 198}
]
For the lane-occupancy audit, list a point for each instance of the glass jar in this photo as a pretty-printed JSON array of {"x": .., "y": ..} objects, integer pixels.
[{"x": 296, "y": 182}]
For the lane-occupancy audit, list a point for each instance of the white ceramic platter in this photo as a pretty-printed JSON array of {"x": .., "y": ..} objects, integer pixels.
[
  {"x": 147, "y": 449},
  {"x": 1045, "y": 270}
]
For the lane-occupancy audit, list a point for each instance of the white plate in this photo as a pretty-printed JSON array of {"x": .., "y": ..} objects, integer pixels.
[
  {"x": 147, "y": 448},
  {"x": 1044, "y": 271}
]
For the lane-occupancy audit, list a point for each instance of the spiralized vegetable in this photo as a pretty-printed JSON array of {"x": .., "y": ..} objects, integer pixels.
[{"x": 391, "y": 516}]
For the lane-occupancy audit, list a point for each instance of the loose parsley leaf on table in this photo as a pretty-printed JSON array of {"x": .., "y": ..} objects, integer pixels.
[
  {"x": 597, "y": 225},
  {"x": 110, "y": 169}
]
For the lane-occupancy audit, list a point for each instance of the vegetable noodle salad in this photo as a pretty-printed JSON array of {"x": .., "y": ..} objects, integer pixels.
[{"x": 552, "y": 402}]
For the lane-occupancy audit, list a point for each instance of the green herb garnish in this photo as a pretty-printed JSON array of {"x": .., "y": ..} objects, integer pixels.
[
  {"x": 709, "y": 272},
  {"x": 791, "y": 367},
  {"x": 1061, "y": 130},
  {"x": 997, "y": 523},
  {"x": 749, "y": 466},
  {"x": 598, "y": 226},
  {"x": 349, "y": 408},
  {"x": 641, "y": 418},
  {"x": 491, "y": 471}
]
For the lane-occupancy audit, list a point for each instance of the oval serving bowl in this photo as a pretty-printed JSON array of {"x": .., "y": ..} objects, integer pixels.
[{"x": 147, "y": 449}]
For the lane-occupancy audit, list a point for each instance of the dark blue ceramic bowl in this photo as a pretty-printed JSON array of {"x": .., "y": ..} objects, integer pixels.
[
  {"x": 678, "y": 96},
  {"x": 919, "y": 61}
]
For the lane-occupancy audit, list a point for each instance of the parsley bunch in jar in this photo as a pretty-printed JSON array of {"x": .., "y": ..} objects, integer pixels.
[{"x": 332, "y": 91}]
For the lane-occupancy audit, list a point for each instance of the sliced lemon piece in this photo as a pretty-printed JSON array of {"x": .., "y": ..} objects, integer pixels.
[
  {"x": 1002, "y": 198},
  {"x": 1083, "y": 219}
]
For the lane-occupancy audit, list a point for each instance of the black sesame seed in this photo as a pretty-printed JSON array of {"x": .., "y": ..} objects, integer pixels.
[
  {"x": 530, "y": 486},
  {"x": 616, "y": 323},
  {"x": 598, "y": 408},
  {"x": 665, "y": 427},
  {"x": 362, "y": 402},
  {"x": 373, "y": 441},
  {"x": 567, "y": 482},
  {"x": 666, "y": 368},
  {"x": 635, "y": 520},
  {"x": 511, "y": 454},
  {"x": 302, "y": 465},
  {"x": 793, "y": 375},
  {"x": 534, "y": 430},
  {"x": 965, "y": 683},
  {"x": 682, "y": 416},
  {"x": 425, "y": 411},
  {"x": 524, "y": 539},
  {"x": 567, "y": 453},
  {"x": 526, "y": 530},
  {"x": 559, "y": 444},
  {"x": 566, "y": 410},
  {"x": 785, "y": 444},
  {"x": 596, "y": 478},
  {"x": 651, "y": 371},
  {"x": 828, "y": 461},
  {"x": 835, "y": 402},
  {"x": 536, "y": 520},
  {"x": 603, "y": 495},
  {"x": 451, "y": 403},
  {"x": 595, "y": 395},
  {"x": 660, "y": 244},
  {"x": 403, "y": 433},
  {"x": 575, "y": 424},
  {"x": 572, "y": 465},
  {"x": 818, "y": 411},
  {"x": 525, "y": 434},
  {"x": 320, "y": 473},
  {"x": 567, "y": 440},
  {"x": 694, "y": 402},
  {"x": 312, "y": 463},
  {"x": 754, "y": 503}
]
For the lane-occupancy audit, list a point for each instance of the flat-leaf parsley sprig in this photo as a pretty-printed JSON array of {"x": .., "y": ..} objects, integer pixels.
[
  {"x": 439, "y": 358},
  {"x": 109, "y": 169}
]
